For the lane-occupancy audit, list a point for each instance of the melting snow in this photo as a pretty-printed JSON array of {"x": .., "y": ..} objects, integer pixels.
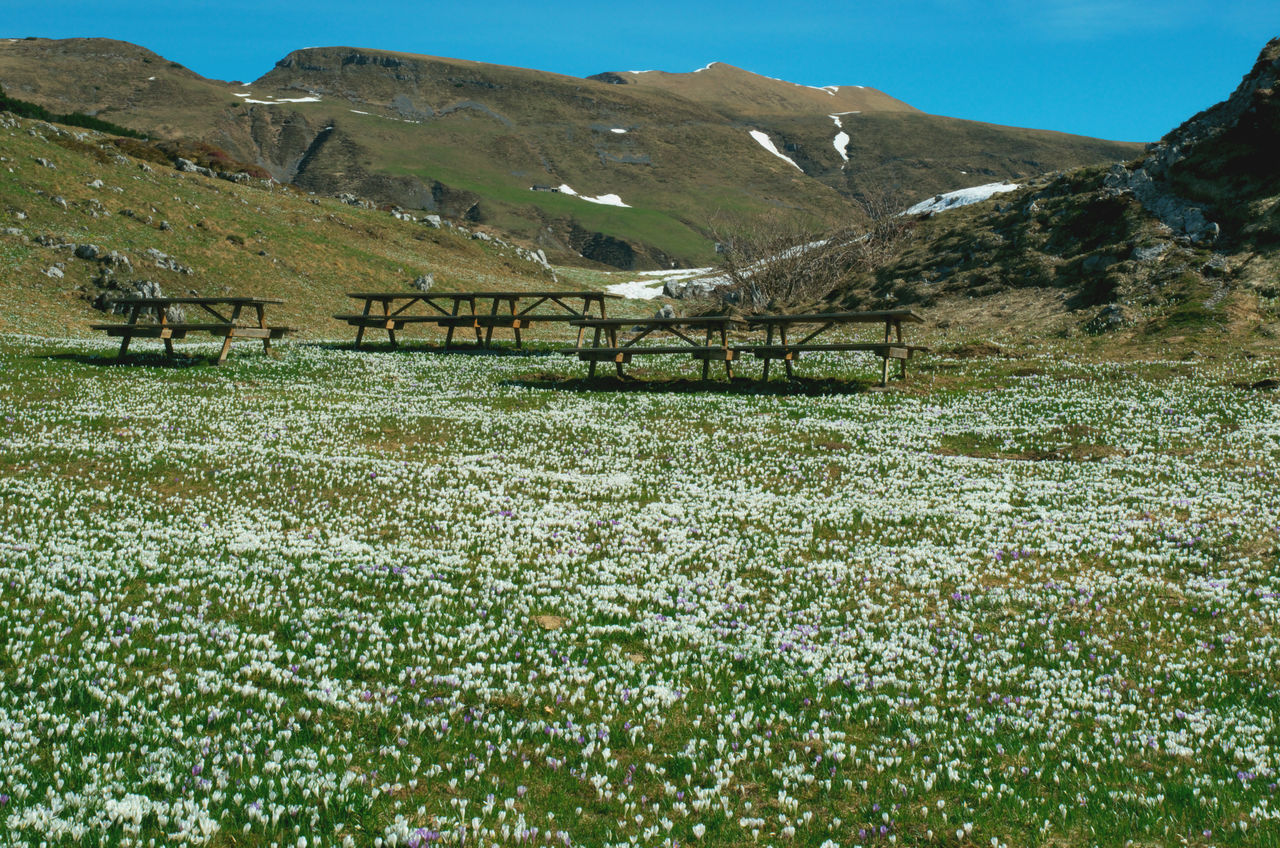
[
  {"x": 637, "y": 289},
  {"x": 603, "y": 199},
  {"x": 618, "y": 130},
  {"x": 309, "y": 99},
  {"x": 607, "y": 200},
  {"x": 962, "y": 197},
  {"x": 842, "y": 138},
  {"x": 767, "y": 144},
  {"x": 652, "y": 286}
]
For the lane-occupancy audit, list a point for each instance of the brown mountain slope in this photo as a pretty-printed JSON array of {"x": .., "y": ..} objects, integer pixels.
[
  {"x": 1178, "y": 249},
  {"x": 744, "y": 94},
  {"x": 472, "y": 140}
]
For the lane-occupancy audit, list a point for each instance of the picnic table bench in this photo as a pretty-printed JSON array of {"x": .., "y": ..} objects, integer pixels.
[
  {"x": 228, "y": 327},
  {"x": 893, "y": 346},
  {"x": 606, "y": 331},
  {"x": 716, "y": 345},
  {"x": 506, "y": 310}
]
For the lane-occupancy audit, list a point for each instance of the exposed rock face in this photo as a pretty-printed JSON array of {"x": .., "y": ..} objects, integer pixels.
[{"x": 1235, "y": 138}]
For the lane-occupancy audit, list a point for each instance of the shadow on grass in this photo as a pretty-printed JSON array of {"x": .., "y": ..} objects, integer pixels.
[
  {"x": 749, "y": 386},
  {"x": 149, "y": 360}
]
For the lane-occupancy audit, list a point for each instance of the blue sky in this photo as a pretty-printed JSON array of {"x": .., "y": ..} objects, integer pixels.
[{"x": 1123, "y": 70}]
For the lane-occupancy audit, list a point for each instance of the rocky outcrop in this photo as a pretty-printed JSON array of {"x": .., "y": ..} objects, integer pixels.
[{"x": 1237, "y": 135}]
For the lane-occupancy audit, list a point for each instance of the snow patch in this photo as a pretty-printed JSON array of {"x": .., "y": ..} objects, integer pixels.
[
  {"x": 762, "y": 138},
  {"x": 841, "y": 140},
  {"x": 607, "y": 200},
  {"x": 357, "y": 112},
  {"x": 962, "y": 197},
  {"x": 275, "y": 101},
  {"x": 618, "y": 130},
  {"x": 654, "y": 282},
  {"x": 637, "y": 289},
  {"x": 603, "y": 199}
]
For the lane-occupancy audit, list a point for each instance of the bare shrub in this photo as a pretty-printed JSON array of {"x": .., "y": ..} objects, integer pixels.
[{"x": 773, "y": 264}]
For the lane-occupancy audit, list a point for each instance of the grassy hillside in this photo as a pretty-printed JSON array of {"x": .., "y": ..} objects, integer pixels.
[
  {"x": 1177, "y": 251},
  {"x": 237, "y": 239},
  {"x": 470, "y": 140}
]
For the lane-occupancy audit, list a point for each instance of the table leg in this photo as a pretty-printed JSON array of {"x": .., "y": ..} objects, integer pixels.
[
  {"x": 724, "y": 344},
  {"x": 360, "y": 329},
  {"x": 884, "y": 362},
  {"x": 516, "y": 322},
  {"x": 591, "y": 369},
  {"x": 226, "y": 340},
  {"x": 768, "y": 342},
  {"x": 706, "y": 363},
  {"x": 493, "y": 316},
  {"x": 613, "y": 343},
  {"x": 124, "y": 342},
  {"x": 262, "y": 323},
  {"x": 479, "y": 334},
  {"x": 163, "y": 316},
  {"x": 902, "y": 363},
  {"x": 786, "y": 354},
  {"x": 448, "y": 337},
  {"x": 386, "y": 314}
]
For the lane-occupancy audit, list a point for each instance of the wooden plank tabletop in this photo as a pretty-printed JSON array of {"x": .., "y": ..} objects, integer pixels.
[
  {"x": 168, "y": 301},
  {"x": 839, "y": 317},
  {"x": 480, "y": 295},
  {"x": 694, "y": 321}
]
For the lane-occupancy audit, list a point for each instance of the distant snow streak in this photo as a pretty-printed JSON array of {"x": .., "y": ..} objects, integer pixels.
[
  {"x": 841, "y": 141},
  {"x": 602, "y": 199},
  {"x": 767, "y": 143},
  {"x": 961, "y": 197},
  {"x": 309, "y": 99}
]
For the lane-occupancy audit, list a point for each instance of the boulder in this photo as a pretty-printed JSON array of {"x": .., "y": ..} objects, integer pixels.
[
  {"x": 88, "y": 252},
  {"x": 1151, "y": 253},
  {"x": 423, "y": 282}
]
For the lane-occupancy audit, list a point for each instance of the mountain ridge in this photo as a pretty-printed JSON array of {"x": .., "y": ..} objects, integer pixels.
[{"x": 471, "y": 140}]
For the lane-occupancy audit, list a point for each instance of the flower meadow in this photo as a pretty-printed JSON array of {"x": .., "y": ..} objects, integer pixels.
[{"x": 410, "y": 599}]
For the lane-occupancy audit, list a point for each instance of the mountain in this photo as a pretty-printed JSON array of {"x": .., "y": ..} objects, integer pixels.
[
  {"x": 652, "y": 159},
  {"x": 186, "y": 232},
  {"x": 1179, "y": 245}
]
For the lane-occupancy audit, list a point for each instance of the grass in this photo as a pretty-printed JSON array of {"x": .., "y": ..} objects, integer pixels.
[
  {"x": 237, "y": 239},
  {"x": 376, "y": 595}
]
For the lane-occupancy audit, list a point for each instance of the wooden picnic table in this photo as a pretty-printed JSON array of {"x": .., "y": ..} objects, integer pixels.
[
  {"x": 507, "y": 310},
  {"x": 893, "y": 346},
  {"x": 228, "y": 327},
  {"x": 707, "y": 349},
  {"x": 715, "y": 345}
]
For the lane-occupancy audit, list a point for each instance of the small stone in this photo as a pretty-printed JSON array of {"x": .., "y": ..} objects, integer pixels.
[
  {"x": 55, "y": 272},
  {"x": 45, "y": 163},
  {"x": 423, "y": 283},
  {"x": 95, "y": 184},
  {"x": 12, "y": 231},
  {"x": 60, "y": 202},
  {"x": 88, "y": 251},
  {"x": 1151, "y": 253}
]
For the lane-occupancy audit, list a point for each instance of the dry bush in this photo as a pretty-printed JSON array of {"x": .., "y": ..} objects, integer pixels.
[{"x": 774, "y": 264}]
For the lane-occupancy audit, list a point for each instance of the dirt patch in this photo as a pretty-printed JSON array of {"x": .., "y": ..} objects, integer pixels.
[{"x": 975, "y": 350}]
